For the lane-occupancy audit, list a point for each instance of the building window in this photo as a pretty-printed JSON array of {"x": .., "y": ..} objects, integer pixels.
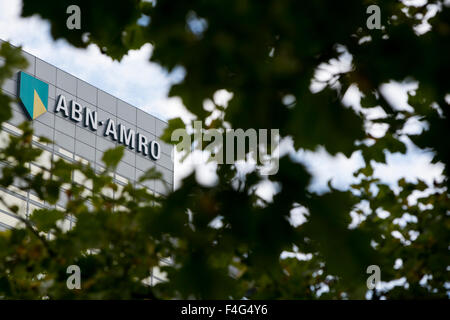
[
  {"x": 8, "y": 220},
  {"x": 10, "y": 200},
  {"x": 45, "y": 160},
  {"x": 121, "y": 179},
  {"x": 82, "y": 160},
  {"x": 66, "y": 153},
  {"x": 37, "y": 140},
  {"x": 12, "y": 128},
  {"x": 17, "y": 190},
  {"x": 36, "y": 198}
]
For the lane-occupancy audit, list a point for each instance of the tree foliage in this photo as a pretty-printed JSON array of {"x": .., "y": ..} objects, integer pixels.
[{"x": 226, "y": 241}]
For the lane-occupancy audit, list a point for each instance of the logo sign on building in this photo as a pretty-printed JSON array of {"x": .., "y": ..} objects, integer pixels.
[
  {"x": 117, "y": 132},
  {"x": 33, "y": 94}
]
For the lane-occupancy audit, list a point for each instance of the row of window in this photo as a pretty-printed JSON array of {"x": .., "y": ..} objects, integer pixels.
[
  {"x": 44, "y": 161},
  {"x": 18, "y": 198}
]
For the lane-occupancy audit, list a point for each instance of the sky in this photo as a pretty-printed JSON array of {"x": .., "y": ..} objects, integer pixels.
[{"x": 146, "y": 85}]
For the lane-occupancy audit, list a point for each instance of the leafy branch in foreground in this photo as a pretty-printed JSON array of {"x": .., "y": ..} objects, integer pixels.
[{"x": 224, "y": 240}]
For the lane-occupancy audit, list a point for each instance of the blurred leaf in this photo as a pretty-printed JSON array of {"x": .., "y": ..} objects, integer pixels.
[{"x": 112, "y": 157}]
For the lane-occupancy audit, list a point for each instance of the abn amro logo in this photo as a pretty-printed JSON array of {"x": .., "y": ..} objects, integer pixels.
[{"x": 34, "y": 95}]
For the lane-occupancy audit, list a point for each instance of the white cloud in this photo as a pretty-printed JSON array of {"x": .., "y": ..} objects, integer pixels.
[
  {"x": 325, "y": 167},
  {"x": 415, "y": 164}
]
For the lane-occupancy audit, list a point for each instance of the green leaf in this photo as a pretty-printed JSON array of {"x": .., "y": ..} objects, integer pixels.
[
  {"x": 174, "y": 124},
  {"x": 151, "y": 174},
  {"x": 45, "y": 219},
  {"x": 112, "y": 157}
]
